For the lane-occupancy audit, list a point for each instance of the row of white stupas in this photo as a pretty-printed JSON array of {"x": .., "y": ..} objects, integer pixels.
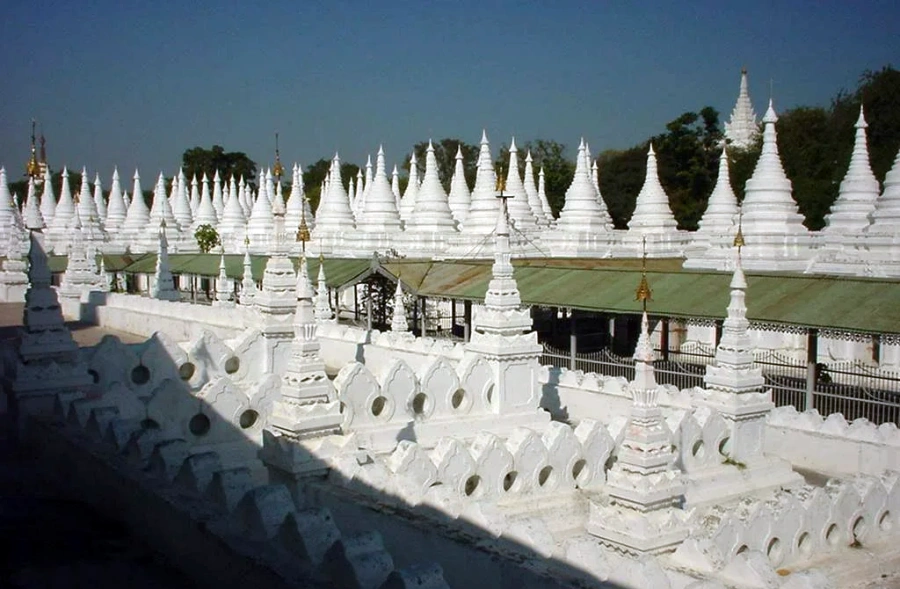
[{"x": 860, "y": 236}]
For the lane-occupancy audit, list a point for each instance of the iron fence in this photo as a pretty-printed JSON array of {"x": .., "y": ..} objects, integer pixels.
[{"x": 855, "y": 390}]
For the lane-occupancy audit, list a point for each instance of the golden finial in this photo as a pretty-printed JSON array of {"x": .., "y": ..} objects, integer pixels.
[
  {"x": 32, "y": 168},
  {"x": 303, "y": 230},
  {"x": 277, "y": 169},
  {"x": 739, "y": 236},
  {"x": 247, "y": 240},
  {"x": 643, "y": 292},
  {"x": 501, "y": 181}
]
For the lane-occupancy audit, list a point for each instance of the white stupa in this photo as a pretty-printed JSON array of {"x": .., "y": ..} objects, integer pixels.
[
  {"x": 160, "y": 211},
  {"x": 651, "y": 211},
  {"x": 48, "y": 199},
  {"x": 294, "y": 206},
  {"x": 379, "y": 213},
  {"x": 334, "y": 215},
  {"x": 62, "y": 216},
  {"x": 32, "y": 212},
  {"x": 852, "y": 210},
  {"x": 115, "y": 209},
  {"x": 520, "y": 213},
  {"x": 886, "y": 216},
  {"x": 431, "y": 213},
  {"x": 484, "y": 207},
  {"x": 459, "y": 198},
  {"x": 717, "y": 226},
  {"x": 182, "y": 208},
  {"x": 261, "y": 224},
  {"x": 542, "y": 194},
  {"x": 408, "y": 202},
  {"x": 742, "y": 130},
  {"x": 218, "y": 198},
  {"x": 531, "y": 191},
  {"x": 136, "y": 219},
  {"x": 772, "y": 225},
  {"x": 581, "y": 212},
  {"x": 395, "y": 185},
  {"x": 206, "y": 212},
  {"x": 99, "y": 201},
  {"x": 233, "y": 224}
]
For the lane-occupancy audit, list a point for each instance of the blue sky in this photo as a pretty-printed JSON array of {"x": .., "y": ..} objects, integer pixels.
[{"x": 134, "y": 84}]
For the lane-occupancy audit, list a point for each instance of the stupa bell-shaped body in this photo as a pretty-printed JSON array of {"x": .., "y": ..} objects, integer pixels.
[
  {"x": 294, "y": 206},
  {"x": 334, "y": 214},
  {"x": 459, "y": 198},
  {"x": 431, "y": 212},
  {"x": 852, "y": 211},
  {"x": 742, "y": 130},
  {"x": 485, "y": 206},
  {"x": 721, "y": 209},
  {"x": 542, "y": 194},
  {"x": 261, "y": 224},
  {"x": 520, "y": 212},
  {"x": 582, "y": 212},
  {"x": 408, "y": 202},
  {"x": 379, "y": 208},
  {"x": 99, "y": 201},
  {"x": 886, "y": 216},
  {"x": 65, "y": 209},
  {"x": 395, "y": 185},
  {"x": 48, "y": 198},
  {"x": 651, "y": 212},
  {"x": 181, "y": 206},
  {"x": 218, "y": 199},
  {"x": 32, "y": 214},
  {"x": 138, "y": 216},
  {"x": 163, "y": 285},
  {"x": 206, "y": 212},
  {"x": 115, "y": 210},
  {"x": 771, "y": 220},
  {"x": 233, "y": 225},
  {"x": 160, "y": 211}
]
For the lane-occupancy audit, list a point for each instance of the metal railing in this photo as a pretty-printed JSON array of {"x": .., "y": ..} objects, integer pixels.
[{"x": 855, "y": 390}]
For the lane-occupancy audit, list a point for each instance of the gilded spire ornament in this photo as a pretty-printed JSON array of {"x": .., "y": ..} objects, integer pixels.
[
  {"x": 739, "y": 236},
  {"x": 33, "y": 168},
  {"x": 277, "y": 168},
  {"x": 303, "y": 231},
  {"x": 643, "y": 292}
]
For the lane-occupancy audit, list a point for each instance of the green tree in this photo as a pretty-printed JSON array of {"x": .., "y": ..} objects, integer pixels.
[
  {"x": 207, "y": 238},
  {"x": 197, "y": 161},
  {"x": 621, "y": 177}
]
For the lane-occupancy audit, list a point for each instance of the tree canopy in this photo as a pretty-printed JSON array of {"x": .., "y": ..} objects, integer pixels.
[{"x": 198, "y": 161}]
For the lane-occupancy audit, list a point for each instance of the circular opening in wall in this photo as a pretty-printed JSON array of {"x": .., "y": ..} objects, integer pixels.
[
  {"x": 248, "y": 419},
  {"x": 199, "y": 425},
  {"x": 490, "y": 394},
  {"x": 579, "y": 470},
  {"x": 186, "y": 371},
  {"x": 472, "y": 484},
  {"x": 510, "y": 480},
  {"x": 697, "y": 450},
  {"x": 774, "y": 551},
  {"x": 884, "y": 522},
  {"x": 725, "y": 446},
  {"x": 343, "y": 408},
  {"x": 545, "y": 476},
  {"x": 149, "y": 424},
  {"x": 859, "y": 528},
  {"x": 140, "y": 374},
  {"x": 742, "y": 550},
  {"x": 831, "y": 535},
  {"x": 378, "y": 405},
  {"x": 804, "y": 544},
  {"x": 457, "y": 399},
  {"x": 95, "y": 376},
  {"x": 420, "y": 403},
  {"x": 232, "y": 365}
]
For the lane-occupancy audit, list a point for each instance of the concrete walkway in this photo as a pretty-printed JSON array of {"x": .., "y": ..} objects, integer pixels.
[{"x": 84, "y": 334}]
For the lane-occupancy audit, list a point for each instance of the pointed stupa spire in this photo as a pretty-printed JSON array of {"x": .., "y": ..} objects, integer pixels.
[
  {"x": 542, "y": 194},
  {"x": 48, "y": 198},
  {"x": 519, "y": 210},
  {"x": 334, "y": 214},
  {"x": 323, "y": 310},
  {"x": 224, "y": 287},
  {"x": 531, "y": 191},
  {"x": 294, "y": 206},
  {"x": 432, "y": 211},
  {"x": 722, "y": 207},
  {"x": 399, "y": 322},
  {"x": 852, "y": 210},
  {"x": 99, "y": 201},
  {"x": 369, "y": 177},
  {"x": 87, "y": 208},
  {"x": 459, "y": 198},
  {"x": 582, "y": 212},
  {"x": 355, "y": 200},
  {"x": 485, "y": 206},
  {"x": 163, "y": 286},
  {"x": 651, "y": 211},
  {"x": 182, "y": 208},
  {"x": 248, "y": 285},
  {"x": 379, "y": 212},
  {"x": 408, "y": 202},
  {"x": 32, "y": 214},
  {"x": 644, "y": 376},
  {"x": 742, "y": 130},
  {"x": 206, "y": 212},
  {"x": 218, "y": 199},
  {"x": 115, "y": 210},
  {"x": 395, "y": 186},
  {"x": 160, "y": 210},
  {"x": 138, "y": 215},
  {"x": 261, "y": 223},
  {"x": 65, "y": 208},
  {"x": 768, "y": 206}
]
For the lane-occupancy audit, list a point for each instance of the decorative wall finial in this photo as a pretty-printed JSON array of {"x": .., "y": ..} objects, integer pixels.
[
  {"x": 277, "y": 168},
  {"x": 643, "y": 292},
  {"x": 739, "y": 236}
]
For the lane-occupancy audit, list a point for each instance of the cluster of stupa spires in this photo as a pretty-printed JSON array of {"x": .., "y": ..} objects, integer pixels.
[{"x": 371, "y": 215}]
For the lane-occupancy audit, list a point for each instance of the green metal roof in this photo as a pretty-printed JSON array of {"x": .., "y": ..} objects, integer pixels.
[{"x": 601, "y": 285}]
